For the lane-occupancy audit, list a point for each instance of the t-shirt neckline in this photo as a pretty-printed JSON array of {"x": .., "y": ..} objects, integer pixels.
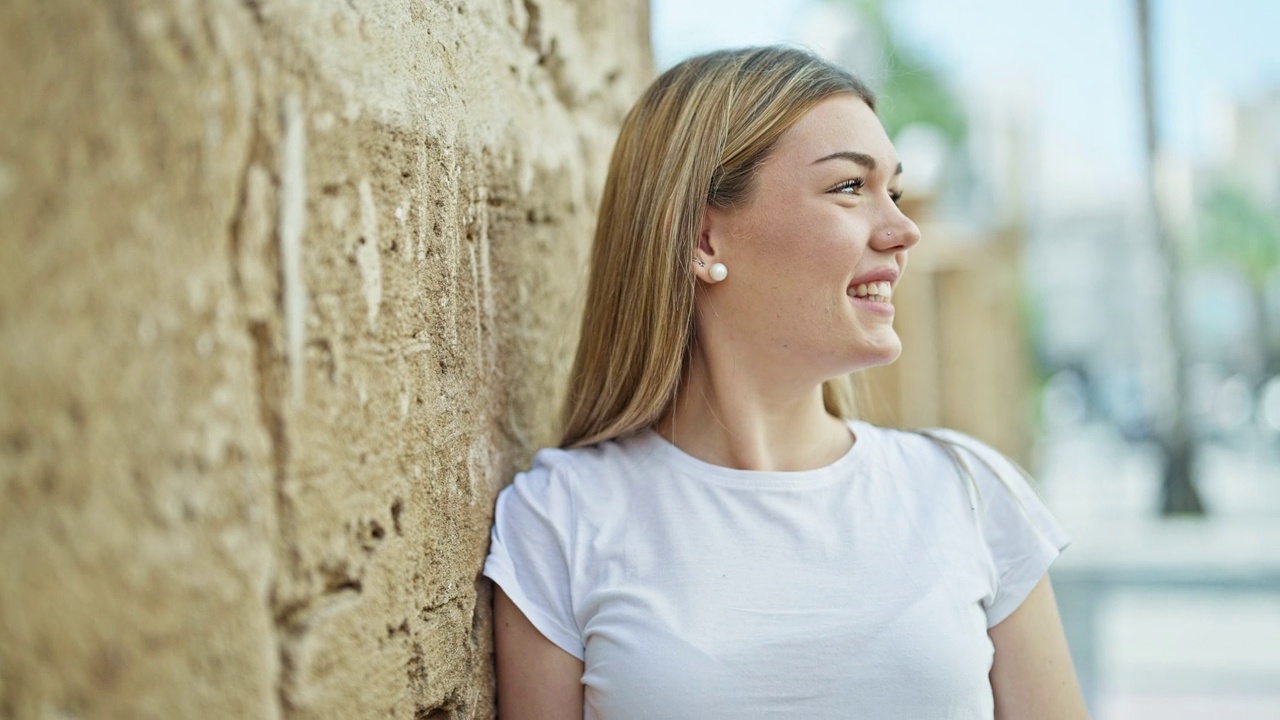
[{"x": 686, "y": 464}]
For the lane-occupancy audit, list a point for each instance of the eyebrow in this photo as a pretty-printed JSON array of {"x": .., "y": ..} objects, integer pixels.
[{"x": 862, "y": 159}]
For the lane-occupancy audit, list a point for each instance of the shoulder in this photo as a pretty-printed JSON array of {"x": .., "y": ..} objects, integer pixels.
[
  {"x": 550, "y": 478},
  {"x": 977, "y": 458},
  {"x": 932, "y": 453},
  {"x": 1006, "y": 493},
  {"x": 560, "y": 474},
  {"x": 927, "y": 450}
]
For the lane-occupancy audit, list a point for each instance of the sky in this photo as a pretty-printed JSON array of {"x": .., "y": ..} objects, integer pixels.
[{"x": 1072, "y": 65}]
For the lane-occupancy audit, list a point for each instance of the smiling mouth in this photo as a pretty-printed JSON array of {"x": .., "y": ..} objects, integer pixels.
[{"x": 873, "y": 291}]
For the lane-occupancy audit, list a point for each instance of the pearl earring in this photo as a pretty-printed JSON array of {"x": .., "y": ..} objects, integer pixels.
[{"x": 718, "y": 271}]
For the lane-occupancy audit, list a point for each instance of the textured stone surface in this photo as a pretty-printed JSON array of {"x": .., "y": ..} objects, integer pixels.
[{"x": 287, "y": 292}]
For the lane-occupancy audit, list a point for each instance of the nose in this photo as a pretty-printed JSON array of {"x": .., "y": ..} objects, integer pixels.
[{"x": 897, "y": 232}]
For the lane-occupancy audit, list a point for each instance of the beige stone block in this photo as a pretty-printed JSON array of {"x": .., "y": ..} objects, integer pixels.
[{"x": 288, "y": 291}]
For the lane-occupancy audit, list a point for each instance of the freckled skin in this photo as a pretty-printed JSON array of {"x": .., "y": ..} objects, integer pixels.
[{"x": 796, "y": 245}]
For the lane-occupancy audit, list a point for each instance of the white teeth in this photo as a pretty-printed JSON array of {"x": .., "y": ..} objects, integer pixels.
[{"x": 877, "y": 291}]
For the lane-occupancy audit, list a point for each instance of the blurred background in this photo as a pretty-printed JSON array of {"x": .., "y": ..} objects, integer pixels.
[{"x": 1097, "y": 294}]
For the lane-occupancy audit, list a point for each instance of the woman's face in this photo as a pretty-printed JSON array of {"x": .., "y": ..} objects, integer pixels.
[{"x": 815, "y": 253}]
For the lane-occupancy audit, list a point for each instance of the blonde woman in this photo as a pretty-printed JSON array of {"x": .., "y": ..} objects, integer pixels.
[{"x": 715, "y": 538}]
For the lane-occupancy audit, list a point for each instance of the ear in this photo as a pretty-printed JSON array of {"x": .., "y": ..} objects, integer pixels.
[{"x": 711, "y": 244}]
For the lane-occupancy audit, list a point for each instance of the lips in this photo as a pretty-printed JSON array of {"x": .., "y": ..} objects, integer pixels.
[{"x": 880, "y": 281}]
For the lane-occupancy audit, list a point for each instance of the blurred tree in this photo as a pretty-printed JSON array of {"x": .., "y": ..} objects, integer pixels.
[
  {"x": 1178, "y": 492},
  {"x": 1236, "y": 230}
]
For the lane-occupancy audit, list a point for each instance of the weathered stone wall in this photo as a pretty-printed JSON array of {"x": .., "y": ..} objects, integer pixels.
[{"x": 288, "y": 289}]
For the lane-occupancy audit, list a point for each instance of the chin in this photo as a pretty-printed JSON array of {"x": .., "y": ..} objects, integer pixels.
[{"x": 877, "y": 354}]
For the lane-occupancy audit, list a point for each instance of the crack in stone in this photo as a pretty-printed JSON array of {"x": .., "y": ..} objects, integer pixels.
[{"x": 267, "y": 390}]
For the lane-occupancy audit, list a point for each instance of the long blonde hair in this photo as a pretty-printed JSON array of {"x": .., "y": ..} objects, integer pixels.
[{"x": 694, "y": 139}]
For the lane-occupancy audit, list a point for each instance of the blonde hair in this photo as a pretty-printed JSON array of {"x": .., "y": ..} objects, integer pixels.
[{"x": 694, "y": 139}]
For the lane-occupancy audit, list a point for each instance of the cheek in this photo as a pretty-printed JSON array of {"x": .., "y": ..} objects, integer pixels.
[
  {"x": 818, "y": 236},
  {"x": 830, "y": 252}
]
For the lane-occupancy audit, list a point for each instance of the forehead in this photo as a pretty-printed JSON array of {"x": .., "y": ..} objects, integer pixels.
[{"x": 837, "y": 124}]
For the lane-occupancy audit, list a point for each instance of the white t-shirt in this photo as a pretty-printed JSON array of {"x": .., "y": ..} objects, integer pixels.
[{"x": 863, "y": 589}]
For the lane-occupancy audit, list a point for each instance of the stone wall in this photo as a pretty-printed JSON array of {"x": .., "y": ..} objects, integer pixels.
[{"x": 288, "y": 289}]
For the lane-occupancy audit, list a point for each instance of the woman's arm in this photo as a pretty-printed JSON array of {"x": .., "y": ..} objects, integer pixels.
[
  {"x": 536, "y": 679},
  {"x": 1032, "y": 675}
]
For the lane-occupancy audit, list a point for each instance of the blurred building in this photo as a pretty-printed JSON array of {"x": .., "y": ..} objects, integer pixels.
[{"x": 1254, "y": 147}]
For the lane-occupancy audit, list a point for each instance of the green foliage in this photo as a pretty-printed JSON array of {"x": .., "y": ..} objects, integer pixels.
[
  {"x": 1234, "y": 229},
  {"x": 913, "y": 90}
]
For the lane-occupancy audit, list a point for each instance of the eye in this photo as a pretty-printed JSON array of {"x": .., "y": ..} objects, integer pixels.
[
  {"x": 895, "y": 196},
  {"x": 848, "y": 187}
]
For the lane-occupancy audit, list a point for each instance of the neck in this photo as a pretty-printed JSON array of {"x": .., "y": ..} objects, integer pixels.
[{"x": 727, "y": 415}]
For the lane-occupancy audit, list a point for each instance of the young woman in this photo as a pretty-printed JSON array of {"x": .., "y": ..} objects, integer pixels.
[{"x": 715, "y": 538}]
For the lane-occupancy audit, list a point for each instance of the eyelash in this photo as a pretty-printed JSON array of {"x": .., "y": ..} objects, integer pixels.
[{"x": 856, "y": 184}]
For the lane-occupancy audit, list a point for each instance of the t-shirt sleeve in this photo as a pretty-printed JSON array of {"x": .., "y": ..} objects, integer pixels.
[
  {"x": 1022, "y": 536},
  {"x": 529, "y": 550}
]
